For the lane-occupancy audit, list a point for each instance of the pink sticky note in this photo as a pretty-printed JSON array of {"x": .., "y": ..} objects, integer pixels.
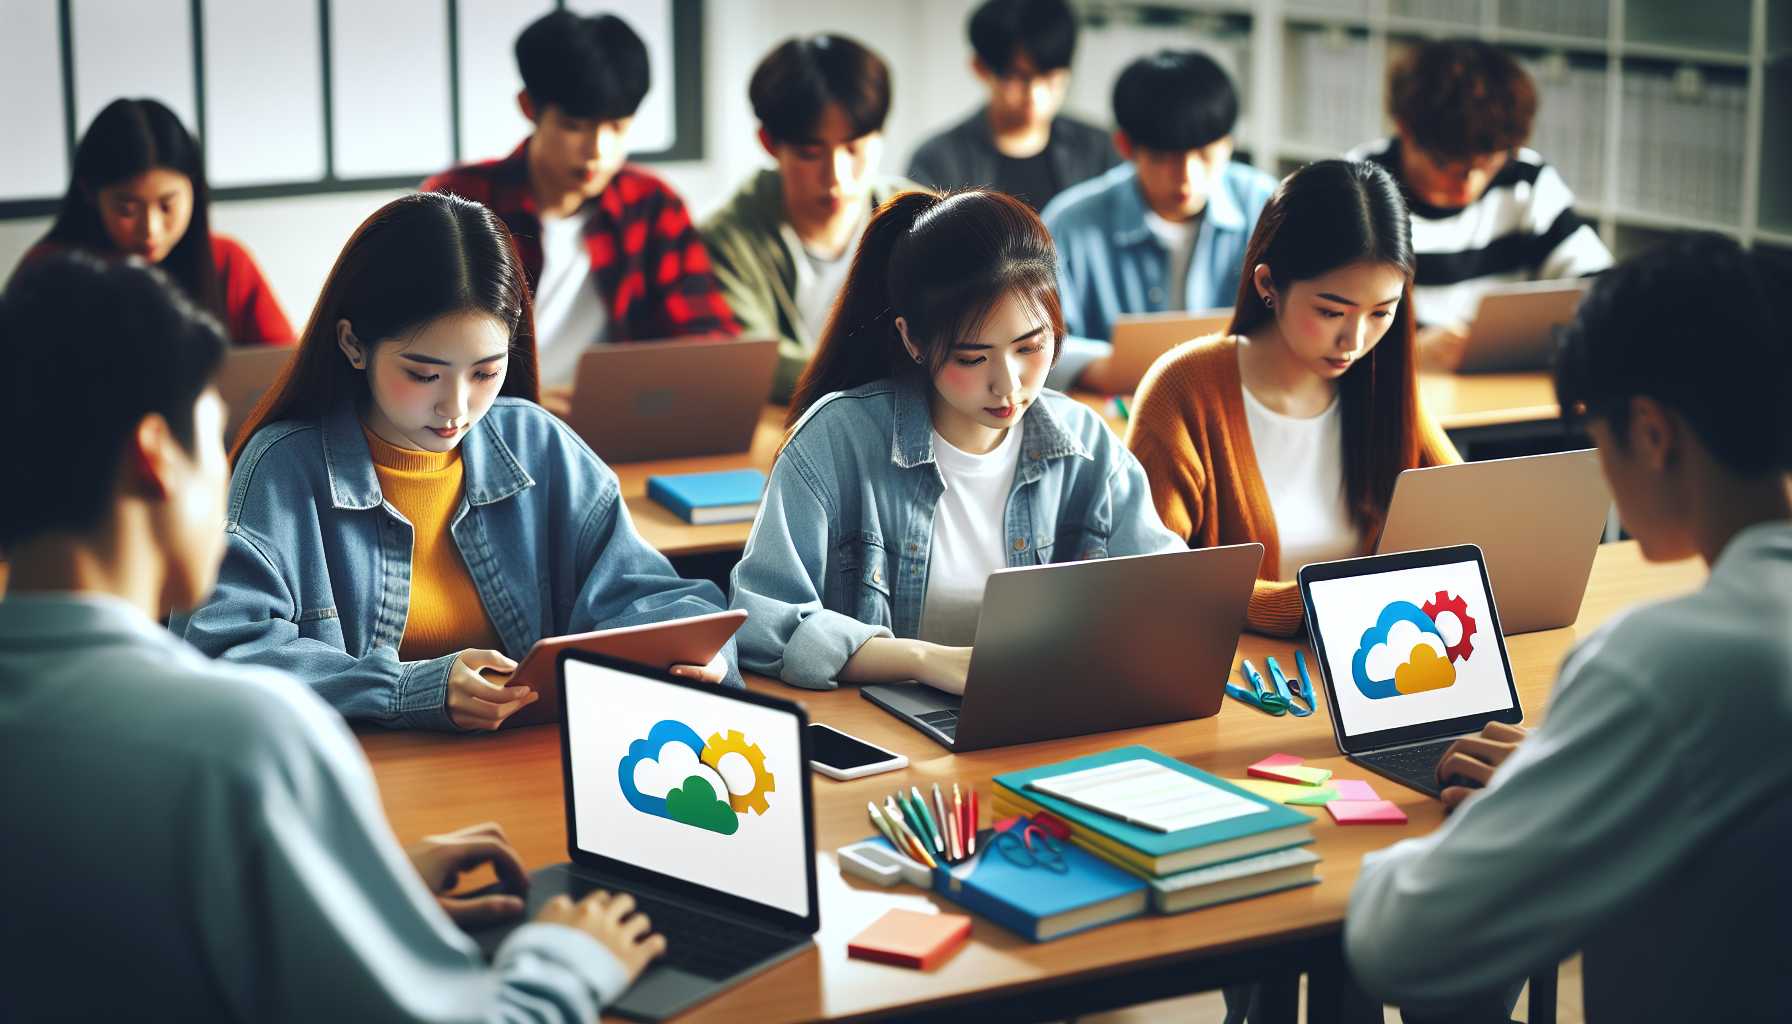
[
  {"x": 1277, "y": 767},
  {"x": 1366, "y": 812},
  {"x": 1274, "y": 760},
  {"x": 1354, "y": 789}
]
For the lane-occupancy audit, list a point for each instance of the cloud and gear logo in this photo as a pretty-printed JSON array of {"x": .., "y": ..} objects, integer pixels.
[
  {"x": 674, "y": 774},
  {"x": 1413, "y": 648}
]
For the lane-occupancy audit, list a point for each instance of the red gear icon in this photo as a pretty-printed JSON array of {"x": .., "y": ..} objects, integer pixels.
[{"x": 1453, "y": 603}]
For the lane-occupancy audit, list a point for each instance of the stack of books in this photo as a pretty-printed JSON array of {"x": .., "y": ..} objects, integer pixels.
[{"x": 1193, "y": 838}]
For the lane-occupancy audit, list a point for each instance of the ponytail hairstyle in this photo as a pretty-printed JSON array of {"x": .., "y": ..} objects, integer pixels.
[
  {"x": 417, "y": 259},
  {"x": 129, "y": 138},
  {"x": 1328, "y": 215},
  {"x": 941, "y": 263}
]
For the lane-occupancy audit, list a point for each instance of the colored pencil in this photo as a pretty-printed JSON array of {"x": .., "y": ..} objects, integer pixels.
[
  {"x": 973, "y": 821},
  {"x": 916, "y": 848},
  {"x": 939, "y": 845}
]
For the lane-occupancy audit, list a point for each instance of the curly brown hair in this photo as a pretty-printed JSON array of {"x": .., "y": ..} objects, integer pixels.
[{"x": 1461, "y": 98}]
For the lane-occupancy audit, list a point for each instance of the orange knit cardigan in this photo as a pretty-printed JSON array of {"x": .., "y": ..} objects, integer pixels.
[{"x": 1188, "y": 428}]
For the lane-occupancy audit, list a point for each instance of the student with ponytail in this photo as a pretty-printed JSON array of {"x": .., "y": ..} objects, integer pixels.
[
  {"x": 403, "y": 517},
  {"x": 925, "y": 453},
  {"x": 1290, "y": 429},
  {"x": 139, "y": 189}
]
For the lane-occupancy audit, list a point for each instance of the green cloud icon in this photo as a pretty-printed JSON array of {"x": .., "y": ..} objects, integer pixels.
[{"x": 695, "y": 803}]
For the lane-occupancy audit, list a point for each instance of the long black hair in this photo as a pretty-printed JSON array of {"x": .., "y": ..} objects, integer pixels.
[
  {"x": 416, "y": 259},
  {"x": 129, "y": 138},
  {"x": 941, "y": 263},
  {"x": 1328, "y": 215}
]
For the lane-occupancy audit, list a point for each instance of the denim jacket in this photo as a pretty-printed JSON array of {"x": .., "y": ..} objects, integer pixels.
[
  {"x": 316, "y": 576},
  {"x": 839, "y": 552},
  {"x": 1109, "y": 262}
]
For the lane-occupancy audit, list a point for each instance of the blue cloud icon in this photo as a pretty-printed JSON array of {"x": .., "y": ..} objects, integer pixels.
[
  {"x": 650, "y": 749},
  {"x": 1378, "y": 682}
]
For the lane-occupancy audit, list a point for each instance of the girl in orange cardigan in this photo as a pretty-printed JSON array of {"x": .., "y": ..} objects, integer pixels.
[{"x": 1290, "y": 428}]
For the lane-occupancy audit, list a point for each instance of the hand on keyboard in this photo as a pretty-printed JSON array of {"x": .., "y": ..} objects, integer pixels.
[
  {"x": 610, "y": 920},
  {"x": 1470, "y": 762}
]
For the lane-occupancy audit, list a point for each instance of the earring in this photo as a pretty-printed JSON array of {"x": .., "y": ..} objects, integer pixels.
[{"x": 1269, "y": 301}]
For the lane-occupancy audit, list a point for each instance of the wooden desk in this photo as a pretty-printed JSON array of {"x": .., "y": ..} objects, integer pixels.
[{"x": 432, "y": 783}]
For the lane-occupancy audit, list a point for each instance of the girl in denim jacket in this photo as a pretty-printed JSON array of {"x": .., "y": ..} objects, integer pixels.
[
  {"x": 925, "y": 452},
  {"x": 404, "y": 520}
]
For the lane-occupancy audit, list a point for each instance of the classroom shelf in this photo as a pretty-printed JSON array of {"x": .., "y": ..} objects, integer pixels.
[
  {"x": 1778, "y": 238},
  {"x": 1586, "y": 21},
  {"x": 1685, "y": 54},
  {"x": 1672, "y": 222},
  {"x": 1720, "y": 26},
  {"x": 1518, "y": 37}
]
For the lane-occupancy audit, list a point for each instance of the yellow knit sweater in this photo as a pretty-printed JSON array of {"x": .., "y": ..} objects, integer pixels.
[
  {"x": 1189, "y": 430},
  {"x": 446, "y": 614}
]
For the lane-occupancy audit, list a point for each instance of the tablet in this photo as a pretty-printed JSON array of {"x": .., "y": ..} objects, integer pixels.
[
  {"x": 1140, "y": 339},
  {"x": 658, "y": 645},
  {"x": 1513, "y": 329}
]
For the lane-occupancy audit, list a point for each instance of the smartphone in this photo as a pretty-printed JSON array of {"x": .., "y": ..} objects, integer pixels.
[{"x": 839, "y": 756}]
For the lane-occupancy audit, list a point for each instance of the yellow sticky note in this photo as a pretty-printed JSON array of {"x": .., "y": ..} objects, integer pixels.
[
  {"x": 1296, "y": 773},
  {"x": 1287, "y": 792}
]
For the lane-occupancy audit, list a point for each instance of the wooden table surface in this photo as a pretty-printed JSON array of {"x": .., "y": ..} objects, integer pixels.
[
  {"x": 432, "y": 782},
  {"x": 1459, "y": 402}
]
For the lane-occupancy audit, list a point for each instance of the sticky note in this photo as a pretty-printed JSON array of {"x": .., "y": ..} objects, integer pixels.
[
  {"x": 1366, "y": 812},
  {"x": 1287, "y": 792},
  {"x": 908, "y": 938},
  {"x": 1354, "y": 789},
  {"x": 1274, "y": 760},
  {"x": 1299, "y": 774}
]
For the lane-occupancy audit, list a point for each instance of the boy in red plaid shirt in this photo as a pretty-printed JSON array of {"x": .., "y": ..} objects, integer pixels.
[{"x": 610, "y": 252}]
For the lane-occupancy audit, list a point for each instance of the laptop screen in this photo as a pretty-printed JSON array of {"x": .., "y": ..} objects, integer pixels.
[
  {"x": 1410, "y": 648},
  {"x": 688, "y": 782}
]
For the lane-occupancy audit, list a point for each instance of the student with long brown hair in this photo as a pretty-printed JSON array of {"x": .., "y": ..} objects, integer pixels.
[
  {"x": 403, "y": 517},
  {"x": 926, "y": 453},
  {"x": 1290, "y": 429}
]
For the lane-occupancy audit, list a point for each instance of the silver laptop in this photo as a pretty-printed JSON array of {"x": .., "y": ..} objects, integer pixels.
[
  {"x": 246, "y": 375},
  {"x": 1411, "y": 655},
  {"x": 1538, "y": 518},
  {"x": 671, "y": 399},
  {"x": 1086, "y": 647},
  {"x": 1140, "y": 339},
  {"x": 695, "y": 800},
  {"x": 1514, "y": 327}
]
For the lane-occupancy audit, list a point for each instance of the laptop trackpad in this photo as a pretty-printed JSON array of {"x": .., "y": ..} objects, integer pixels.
[{"x": 913, "y": 698}]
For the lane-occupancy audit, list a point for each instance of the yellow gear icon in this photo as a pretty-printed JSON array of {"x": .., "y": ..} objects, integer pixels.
[{"x": 763, "y": 781}]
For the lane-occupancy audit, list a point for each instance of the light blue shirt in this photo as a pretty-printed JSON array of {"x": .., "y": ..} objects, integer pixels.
[
  {"x": 192, "y": 840},
  {"x": 1645, "y": 823},
  {"x": 1109, "y": 262},
  {"x": 839, "y": 553},
  {"x": 316, "y": 577}
]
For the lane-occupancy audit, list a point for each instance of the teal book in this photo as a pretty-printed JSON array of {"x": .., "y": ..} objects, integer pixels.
[
  {"x": 1148, "y": 851},
  {"x": 728, "y": 496},
  {"x": 1038, "y": 903}
]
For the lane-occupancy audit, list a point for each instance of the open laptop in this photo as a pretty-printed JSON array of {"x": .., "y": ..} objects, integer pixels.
[
  {"x": 1139, "y": 339},
  {"x": 1538, "y": 520},
  {"x": 1514, "y": 327},
  {"x": 671, "y": 399},
  {"x": 247, "y": 373},
  {"x": 1411, "y": 656},
  {"x": 694, "y": 799},
  {"x": 1086, "y": 647}
]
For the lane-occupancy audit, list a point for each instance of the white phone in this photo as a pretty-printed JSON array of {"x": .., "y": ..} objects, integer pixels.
[{"x": 839, "y": 756}]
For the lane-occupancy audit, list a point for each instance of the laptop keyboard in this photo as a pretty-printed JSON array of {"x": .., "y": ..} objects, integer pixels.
[
  {"x": 706, "y": 946},
  {"x": 1417, "y": 765},
  {"x": 945, "y": 721}
]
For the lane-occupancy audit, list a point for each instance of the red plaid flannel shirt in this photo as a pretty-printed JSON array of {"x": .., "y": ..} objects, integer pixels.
[{"x": 647, "y": 260}]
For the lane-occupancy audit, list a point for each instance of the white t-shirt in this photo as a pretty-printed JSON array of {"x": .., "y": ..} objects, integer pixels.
[
  {"x": 967, "y": 536},
  {"x": 1302, "y": 462},
  {"x": 569, "y": 314},
  {"x": 1178, "y": 239},
  {"x": 818, "y": 281}
]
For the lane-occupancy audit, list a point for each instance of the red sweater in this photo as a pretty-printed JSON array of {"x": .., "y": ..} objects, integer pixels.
[{"x": 252, "y": 315}]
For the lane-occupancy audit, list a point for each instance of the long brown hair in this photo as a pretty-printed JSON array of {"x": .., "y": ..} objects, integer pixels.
[
  {"x": 417, "y": 259},
  {"x": 1327, "y": 215},
  {"x": 941, "y": 263}
]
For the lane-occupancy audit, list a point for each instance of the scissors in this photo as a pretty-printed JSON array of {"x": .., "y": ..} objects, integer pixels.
[
  {"x": 1260, "y": 696},
  {"x": 1300, "y": 702}
]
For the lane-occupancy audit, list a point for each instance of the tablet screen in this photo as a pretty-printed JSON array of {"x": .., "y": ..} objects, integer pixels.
[{"x": 1410, "y": 648}]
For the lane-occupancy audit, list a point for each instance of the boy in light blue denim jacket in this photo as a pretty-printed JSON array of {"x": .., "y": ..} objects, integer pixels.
[
  {"x": 926, "y": 453},
  {"x": 404, "y": 522}
]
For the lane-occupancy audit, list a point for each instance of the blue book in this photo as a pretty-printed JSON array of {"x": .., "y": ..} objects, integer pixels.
[
  {"x": 1146, "y": 850},
  {"x": 729, "y": 496}
]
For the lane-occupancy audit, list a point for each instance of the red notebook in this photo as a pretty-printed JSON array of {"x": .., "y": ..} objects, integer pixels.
[{"x": 910, "y": 939}]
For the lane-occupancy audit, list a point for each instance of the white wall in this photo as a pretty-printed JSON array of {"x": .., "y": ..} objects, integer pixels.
[{"x": 296, "y": 240}]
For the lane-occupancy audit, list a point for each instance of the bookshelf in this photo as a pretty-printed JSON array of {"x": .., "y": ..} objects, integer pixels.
[{"x": 1662, "y": 115}]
